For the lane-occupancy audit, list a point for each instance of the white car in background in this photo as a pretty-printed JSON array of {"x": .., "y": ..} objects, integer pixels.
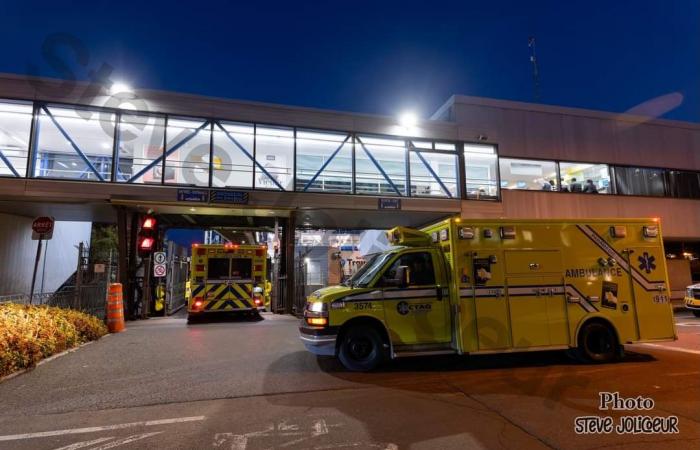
[{"x": 692, "y": 299}]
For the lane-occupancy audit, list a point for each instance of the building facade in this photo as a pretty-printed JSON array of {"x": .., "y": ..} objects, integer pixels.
[{"x": 75, "y": 151}]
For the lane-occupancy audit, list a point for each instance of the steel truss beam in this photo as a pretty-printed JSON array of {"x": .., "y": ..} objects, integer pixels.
[
  {"x": 168, "y": 152},
  {"x": 379, "y": 167},
  {"x": 432, "y": 173},
  {"x": 73, "y": 144},
  {"x": 8, "y": 164},
  {"x": 325, "y": 164},
  {"x": 245, "y": 152}
]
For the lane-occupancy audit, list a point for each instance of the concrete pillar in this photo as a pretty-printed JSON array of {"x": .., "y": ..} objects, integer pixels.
[{"x": 289, "y": 248}]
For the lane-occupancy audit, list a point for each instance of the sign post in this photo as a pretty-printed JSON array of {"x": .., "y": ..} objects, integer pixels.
[{"x": 42, "y": 228}]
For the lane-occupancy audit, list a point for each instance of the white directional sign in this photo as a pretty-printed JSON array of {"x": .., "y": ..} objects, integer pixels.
[
  {"x": 159, "y": 257},
  {"x": 159, "y": 269}
]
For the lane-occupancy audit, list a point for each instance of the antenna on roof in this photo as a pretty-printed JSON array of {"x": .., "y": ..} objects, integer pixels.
[{"x": 535, "y": 68}]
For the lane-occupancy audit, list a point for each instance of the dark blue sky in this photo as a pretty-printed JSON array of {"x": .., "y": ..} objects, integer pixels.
[{"x": 377, "y": 57}]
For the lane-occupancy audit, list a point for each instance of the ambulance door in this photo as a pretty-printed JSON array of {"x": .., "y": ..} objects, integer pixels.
[
  {"x": 218, "y": 274},
  {"x": 651, "y": 293},
  {"x": 420, "y": 312},
  {"x": 487, "y": 292},
  {"x": 536, "y": 298}
]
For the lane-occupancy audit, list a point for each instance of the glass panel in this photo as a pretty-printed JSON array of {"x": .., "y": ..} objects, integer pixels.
[
  {"x": 683, "y": 184},
  {"x": 232, "y": 166},
  {"x": 274, "y": 151},
  {"x": 15, "y": 123},
  {"x": 390, "y": 155},
  {"x": 90, "y": 131},
  {"x": 585, "y": 177},
  {"x": 481, "y": 171},
  {"x": 639, "y": 181},
  {"x": 444, "y": 146},
  {"x": 528, "y": 174},
  {"x": 189, "y": 163},
  {"x": 424, "y": 145},
  {"x": 313, "y": 151},
  {"x": 241, "y": 268},
  {"x": 140, "y": 143},
  {"x": 218, "y": 268},
  {"x": 423, "y": 183}
]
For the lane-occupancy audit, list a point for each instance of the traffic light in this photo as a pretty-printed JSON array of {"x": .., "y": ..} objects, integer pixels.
[{"x": 146, "y": 240}]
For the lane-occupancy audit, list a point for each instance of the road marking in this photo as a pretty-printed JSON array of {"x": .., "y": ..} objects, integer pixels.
[
  {"x": 688, "y": 324},
  {"x": 126, "y": 440},
  {"x": 147, "y": 423},
  {"x": 675, "y": 349},
  {"x": 84, "y": 444}
]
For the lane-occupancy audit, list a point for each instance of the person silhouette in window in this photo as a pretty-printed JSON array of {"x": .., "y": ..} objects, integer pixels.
[
  {"x": 590, "y": 188},
  {"x": 575, "y": 186}
]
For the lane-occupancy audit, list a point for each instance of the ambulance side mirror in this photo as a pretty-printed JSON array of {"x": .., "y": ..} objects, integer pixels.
[{"x": 402, "y": 278}]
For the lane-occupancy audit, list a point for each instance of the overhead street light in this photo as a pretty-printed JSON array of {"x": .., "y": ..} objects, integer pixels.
[
  {"x": 119, "y": 87},
  {"x": 408, "y": 119}
]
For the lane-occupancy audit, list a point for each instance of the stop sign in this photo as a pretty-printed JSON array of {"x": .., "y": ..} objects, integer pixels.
[{"x": 43, "y": 226}]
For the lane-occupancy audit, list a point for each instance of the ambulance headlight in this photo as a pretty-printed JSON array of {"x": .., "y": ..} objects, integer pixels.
[{"x": 316, "y": 307}]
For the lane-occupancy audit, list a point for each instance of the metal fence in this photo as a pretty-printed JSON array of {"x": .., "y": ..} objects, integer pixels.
[
  {"x": 85, "y": 290},
  {"x": 89, "y": 298}
]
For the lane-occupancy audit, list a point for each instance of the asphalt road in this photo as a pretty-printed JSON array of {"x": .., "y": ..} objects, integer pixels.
[{"x": 234, "y": 384}]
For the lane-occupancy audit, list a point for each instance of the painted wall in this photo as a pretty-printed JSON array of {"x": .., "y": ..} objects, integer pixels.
[
  {"x": 524, "y": 130},
  {"x": 18, "y": 250},
  {"x": 680, "y": 218}
]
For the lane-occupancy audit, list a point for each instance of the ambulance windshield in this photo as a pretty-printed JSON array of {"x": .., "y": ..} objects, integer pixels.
[{"x": 363, "y": 276}]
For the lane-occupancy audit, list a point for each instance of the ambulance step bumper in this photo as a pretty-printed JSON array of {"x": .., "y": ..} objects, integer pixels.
[{"x": 317, "y": 343}]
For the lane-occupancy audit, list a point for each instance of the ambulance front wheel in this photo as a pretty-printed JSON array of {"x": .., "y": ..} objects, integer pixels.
[
  {"x": 361, "y": 349},
  {"x": 597, "y": 343}
]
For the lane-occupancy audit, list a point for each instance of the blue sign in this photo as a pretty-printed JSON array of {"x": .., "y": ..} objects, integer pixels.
[
  {"x": 193, "y": 195},
  {"x": 233, "y": 197},
  {"x": 389, "y": 203}
]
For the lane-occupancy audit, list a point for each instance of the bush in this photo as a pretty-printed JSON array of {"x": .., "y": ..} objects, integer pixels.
[{"x": 30, "y": 333}]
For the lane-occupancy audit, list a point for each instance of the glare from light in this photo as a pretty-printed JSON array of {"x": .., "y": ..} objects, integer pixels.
[
  {"x": 119, "y": 87},
  {"x": 408, "y": 119}
]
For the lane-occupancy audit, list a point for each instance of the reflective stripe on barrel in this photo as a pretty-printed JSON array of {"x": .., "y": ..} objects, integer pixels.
[{"x": 115, "y": 308}]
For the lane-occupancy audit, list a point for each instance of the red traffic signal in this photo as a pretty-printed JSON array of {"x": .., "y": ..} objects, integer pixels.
[
  {"x": 146, "y": 245},
  {"x": 146, "y": 240},
  {"x": 149, "y": 223}
]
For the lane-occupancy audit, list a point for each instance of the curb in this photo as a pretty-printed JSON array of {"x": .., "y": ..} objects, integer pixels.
[{"x": 50, "y": 358}]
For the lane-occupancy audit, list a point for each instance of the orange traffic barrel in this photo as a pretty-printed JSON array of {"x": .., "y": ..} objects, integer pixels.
[{"x": 115, "y": 308}]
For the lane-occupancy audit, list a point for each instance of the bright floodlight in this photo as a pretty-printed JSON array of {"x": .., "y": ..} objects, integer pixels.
[
  {"x": 119, "y": 87},
  {"x": 408, "y": 120}
]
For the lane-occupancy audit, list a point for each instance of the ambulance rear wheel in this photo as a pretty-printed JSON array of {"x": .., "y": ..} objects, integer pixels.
[
  {"x": 696, "y": 313},
  {"x": 597, "y": 343},
  {"x": 361, "y": 349}
]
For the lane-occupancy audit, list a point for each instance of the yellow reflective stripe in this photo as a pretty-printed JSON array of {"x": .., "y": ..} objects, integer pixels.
[{"x": 241, "y": 291}]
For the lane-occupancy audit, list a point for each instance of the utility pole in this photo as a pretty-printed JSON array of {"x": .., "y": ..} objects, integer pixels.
[{"x": 535, "y": 68}]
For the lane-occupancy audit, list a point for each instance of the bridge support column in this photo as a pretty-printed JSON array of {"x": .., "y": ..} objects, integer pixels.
[
  {"x": 123, "y": 255},
  {"x": 289, "y": 266}
]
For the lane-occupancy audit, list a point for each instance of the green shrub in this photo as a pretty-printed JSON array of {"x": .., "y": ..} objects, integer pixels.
[{"x": 30, "y": 333}]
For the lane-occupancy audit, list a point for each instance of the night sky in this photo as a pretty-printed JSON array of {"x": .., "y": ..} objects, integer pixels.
[{"x": 375, "y": 57}]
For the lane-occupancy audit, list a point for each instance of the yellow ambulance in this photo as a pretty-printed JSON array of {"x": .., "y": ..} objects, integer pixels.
[
  {"x": 495, "y": 286},
  {"x": 692, "y": 299},
  {"x": 227, "y": 278}
]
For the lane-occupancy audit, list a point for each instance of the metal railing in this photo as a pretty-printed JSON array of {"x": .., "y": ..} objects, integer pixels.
[{"x": 88, "y": 298}]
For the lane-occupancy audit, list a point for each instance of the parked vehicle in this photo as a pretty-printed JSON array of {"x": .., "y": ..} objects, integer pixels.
[{"x": 486, "y": 286}]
